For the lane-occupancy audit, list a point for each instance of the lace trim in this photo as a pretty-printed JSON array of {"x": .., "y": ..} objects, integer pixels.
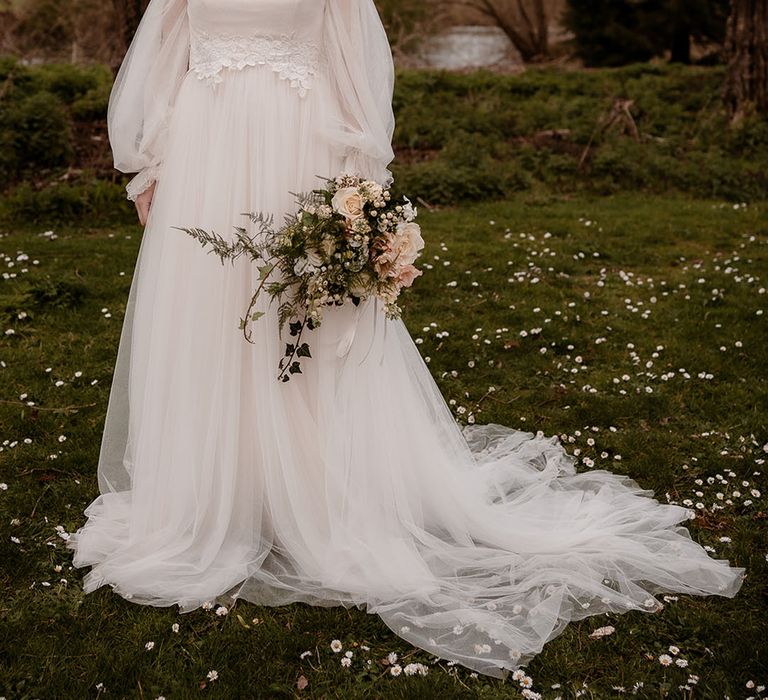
[
  {"x": 292, "y": 59},
  {"x": 142, "y": 182}
]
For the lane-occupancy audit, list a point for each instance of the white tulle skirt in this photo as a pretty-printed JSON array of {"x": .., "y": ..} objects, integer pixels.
[{"x": 351, "y": 484}]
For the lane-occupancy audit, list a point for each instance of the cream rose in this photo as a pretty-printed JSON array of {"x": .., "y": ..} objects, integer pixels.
[
  {"x": 349, "y": 203},
  {"x": 408, "y": 243}
]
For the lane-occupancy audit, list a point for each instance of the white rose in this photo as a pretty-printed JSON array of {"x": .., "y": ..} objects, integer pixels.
[{"x": 348, "y": 202}]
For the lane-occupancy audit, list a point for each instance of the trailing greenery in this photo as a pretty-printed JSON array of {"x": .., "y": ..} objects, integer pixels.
[{"x": 612, "y": 284}]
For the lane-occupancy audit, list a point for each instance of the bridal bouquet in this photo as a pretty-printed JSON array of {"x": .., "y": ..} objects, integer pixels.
[{"x": 349, "y": 241}]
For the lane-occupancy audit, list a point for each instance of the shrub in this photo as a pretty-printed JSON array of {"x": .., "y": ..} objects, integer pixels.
[
  {"x": 38, "y": 107},
  {"x": 90, "y": 203},
  {"x": 92, "y": 106},
  {"x": 533, "y": 128},
  {"x": 70, "y": 82},
  {"x": 459, "y": 137},
  {"x": 470, "y": 168},
  {"x": 35, "y": 134}
]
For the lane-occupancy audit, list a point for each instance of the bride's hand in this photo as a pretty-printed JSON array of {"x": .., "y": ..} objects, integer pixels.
[{"x": 144, "y": 203}]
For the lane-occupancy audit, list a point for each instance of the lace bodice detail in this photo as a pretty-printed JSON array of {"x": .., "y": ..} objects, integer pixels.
[
  {"x": 296, "y": 60},
  {"x": 283, "y": 35}
]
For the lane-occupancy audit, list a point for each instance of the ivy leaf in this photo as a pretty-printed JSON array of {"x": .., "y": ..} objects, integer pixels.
[
  {"x": 289, "y": 349},
  {"x": 257, "y": 315},
  {"x": 295, "y": 327},
  {"x": 265, "y": 271},
  {"x": 303, "y": 350},
  {"x": 295, "y": 368}
]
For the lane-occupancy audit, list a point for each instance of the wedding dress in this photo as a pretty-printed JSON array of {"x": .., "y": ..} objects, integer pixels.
[{"x": 352, "y": 484}]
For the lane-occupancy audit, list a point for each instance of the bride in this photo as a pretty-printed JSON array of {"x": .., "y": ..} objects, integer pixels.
[{"x": 352, "y": 484}]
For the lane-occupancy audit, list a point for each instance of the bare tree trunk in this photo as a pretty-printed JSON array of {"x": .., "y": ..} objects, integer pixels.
[
  {"x": 525, "y": 22},
  {"x": 746, "y": 47}
]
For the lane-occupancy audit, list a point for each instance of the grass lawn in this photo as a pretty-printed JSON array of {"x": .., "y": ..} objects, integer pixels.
[{"x": 633, "y": 327}]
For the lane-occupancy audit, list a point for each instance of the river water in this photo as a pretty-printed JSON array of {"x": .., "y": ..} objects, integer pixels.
[{"x": 462, "y": 48}]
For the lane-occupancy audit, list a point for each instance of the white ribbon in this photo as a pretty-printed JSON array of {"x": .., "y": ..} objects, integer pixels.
[{"x": 349, "y": 334}]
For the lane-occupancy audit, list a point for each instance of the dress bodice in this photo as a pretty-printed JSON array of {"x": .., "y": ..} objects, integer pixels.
[
  {"x": 285, "y": 35},
  {"x": 329, "y": 59}
]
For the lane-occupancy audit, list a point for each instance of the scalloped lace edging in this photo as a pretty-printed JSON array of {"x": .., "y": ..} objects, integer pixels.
[{"x": 142, "y": 181}]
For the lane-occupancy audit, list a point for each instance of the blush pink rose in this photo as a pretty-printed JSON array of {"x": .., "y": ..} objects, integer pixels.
[{"x": 408, "y": 273}]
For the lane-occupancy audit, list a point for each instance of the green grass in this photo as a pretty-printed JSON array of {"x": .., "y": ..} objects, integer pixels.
[{"x": 613, "y": 284}]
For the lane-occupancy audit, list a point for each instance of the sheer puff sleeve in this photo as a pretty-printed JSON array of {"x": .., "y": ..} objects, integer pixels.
[
  {"x": 362, "y": 76},
  {"x": 145, "y": 90}
]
